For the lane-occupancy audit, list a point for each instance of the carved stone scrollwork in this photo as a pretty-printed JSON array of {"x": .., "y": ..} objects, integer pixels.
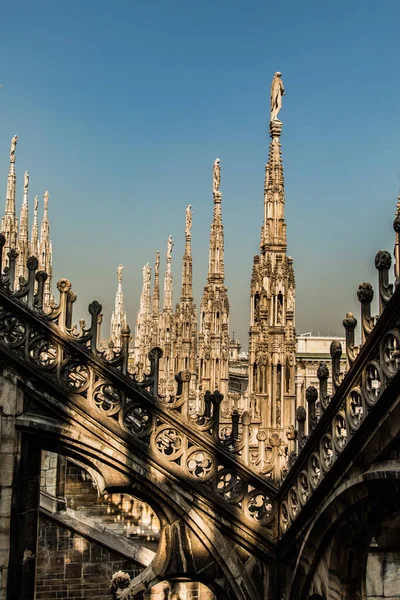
[
  {"x": 137, "y": 420},
  {"x": 303, "y": 487},
  {"x": 43, "y": 352},
  {"x": 230, "y": 485},
  {"x": 169, "y": 442},
  {"x": 12, "y": 330},
  {"x": 293, "y": 501},
  {"x": 314, "y": 470},
  {"x": 339, "y": 431},
  {"x": 354, "y": 408},
  {"x": 284, "y": 517},
  {"x": 200, "y": 464},
  {"x": 75, "y": 375},
  {"x": 372, "y": 382},
  {"x": 326, "y": 452},
  {"x": 259, "y": 507},
  {"x": 107, "y": 398},
  {"x": 390, "y": 353}
]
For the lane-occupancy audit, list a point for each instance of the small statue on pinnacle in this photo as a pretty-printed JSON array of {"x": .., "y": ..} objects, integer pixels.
[
  {"x": 277, "y": 91},
  {"x": 119, "y": 273},
  {"x": 26, "y": 181},
  {"x": 13, "y": 145},
  {"x": 188, "y": 219},
  {"x": 170, "y": 245},
  {"x": 216, "y": 176}
]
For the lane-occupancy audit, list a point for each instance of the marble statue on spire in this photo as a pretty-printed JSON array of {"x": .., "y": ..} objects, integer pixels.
[
  {"x": 146, "y": 271},
  {"x": 216, "y": 175},
  {"x": 170, "y": 245},
  {"x": 119, "y": 273},
  {"x": 277, "y": 91},
  {"x": 26, "y": 181},
  {"x": 188, "y": 219},
  {"x": 13, "y": 145}
]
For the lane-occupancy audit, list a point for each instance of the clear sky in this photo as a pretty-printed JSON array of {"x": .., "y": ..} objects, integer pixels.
[{"x": 121, "y": 108}]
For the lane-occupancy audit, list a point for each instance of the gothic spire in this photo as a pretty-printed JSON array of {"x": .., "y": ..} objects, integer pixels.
[
  {"x": 9, "y": 223},
  {"x": 167, "y": 307},
  {"x": 34, "y": 251},
  {"x": 23, "y": 238},
  {"x": 118, "y": 317},
  {"x": 273, "y": 234},
  {"x": 187, "y": 266},
  {"x": 216, "y": 255},
  {"x": 156, "y": 290},
  {"x": 45, "y": 249}
]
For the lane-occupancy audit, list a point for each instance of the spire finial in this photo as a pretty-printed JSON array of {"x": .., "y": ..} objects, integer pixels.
[
  {"x": 189, "y": 214},
  {"x": 170, "y": 245},
  {"x": 13, "y": 148},
  {"x": 216, "y": 175},
  {"x": 119, "y": 273},
  {"x": 26, "y": 182}
]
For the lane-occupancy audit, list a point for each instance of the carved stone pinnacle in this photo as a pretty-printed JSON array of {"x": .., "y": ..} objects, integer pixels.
[
  {"x": 365, "y": 293},
  {"x": 383, "y": 260},
  {"x": 350, "y": 322}
]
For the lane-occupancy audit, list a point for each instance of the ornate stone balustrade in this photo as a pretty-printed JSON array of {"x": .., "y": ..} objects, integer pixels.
[{"x": 357, "y": 398}]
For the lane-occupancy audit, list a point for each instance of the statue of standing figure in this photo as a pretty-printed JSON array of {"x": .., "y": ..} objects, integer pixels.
[
  {"x": 119, "y": 273},
  {"x": 216, "y": 175},
  {"x": 26, "y": 181},
  {"x": 170, "y": 245},
  {"x": 13, "y": 145},
  {"x": 188, "y": 219},
  {"x": 277, "y": 91},
  {"x": 146, "y": 273}
]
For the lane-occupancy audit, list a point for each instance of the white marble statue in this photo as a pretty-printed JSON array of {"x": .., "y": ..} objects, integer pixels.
[
  {"x": 13, "y": 145},
  {"x": 216, "y": 175},
  {"x": 26, "y": 181},
  {"x": 119, "y": 273},
  {"x": 170, "y": 245},
  {"x": 146, "y": 273},
  {"x": 277, "y": 91},
  {"x": 36, "y": 203},
  {"x": 188, "y": 219}
]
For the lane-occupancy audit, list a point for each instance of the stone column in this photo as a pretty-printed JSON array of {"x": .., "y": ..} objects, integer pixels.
[
  {"x": 24, "y": 521},
  {"x": 19, "y": 496}
]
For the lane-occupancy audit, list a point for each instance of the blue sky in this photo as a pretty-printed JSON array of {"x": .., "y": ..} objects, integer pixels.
[{"x": 121, "y": 109}]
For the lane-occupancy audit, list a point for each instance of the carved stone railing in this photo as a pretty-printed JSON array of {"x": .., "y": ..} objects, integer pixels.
[
  {"x": 65, "y": 359},
  {"x": 354, "y": 401}
]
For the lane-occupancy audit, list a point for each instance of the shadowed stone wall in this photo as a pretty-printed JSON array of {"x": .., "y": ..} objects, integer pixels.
[
  {"x": 383, "y": 575},
  {"x": 70, "y": 566}
]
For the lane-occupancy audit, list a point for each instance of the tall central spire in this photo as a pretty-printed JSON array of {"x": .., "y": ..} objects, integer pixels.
[
  {"x": 216, "y": 271},
  {"x": 273, "y": 234},
  {"x": 272, "y": 332}
]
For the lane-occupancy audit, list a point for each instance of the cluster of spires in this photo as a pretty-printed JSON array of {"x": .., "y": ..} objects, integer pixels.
[
  {"x": 17, "y": 234},
  {"x": 176, "y": 331},
  {"x": 204, "y": 350}
]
